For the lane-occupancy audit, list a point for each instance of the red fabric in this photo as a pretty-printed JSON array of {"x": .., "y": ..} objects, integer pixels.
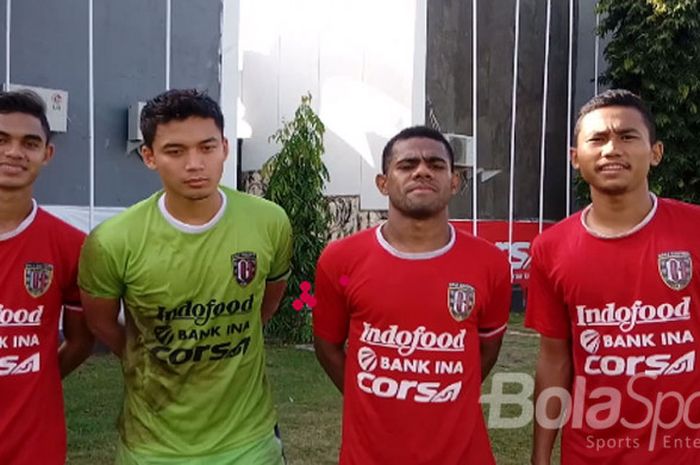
[
  {"x": 32, "y": 428},
  {"x": 585, "y": 289},
  {"x": 395, "y": 314}
]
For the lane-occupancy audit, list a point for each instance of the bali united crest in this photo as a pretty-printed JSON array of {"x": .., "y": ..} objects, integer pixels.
[
  {"x": 244, "y": 266},
  {"x": 460, "y": 300},
  {"x": 676, "y": 269},
  {"x": 37, "y": 278}
]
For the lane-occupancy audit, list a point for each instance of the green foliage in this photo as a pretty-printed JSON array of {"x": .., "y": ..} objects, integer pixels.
[
  {"x": 295, "y": 179},
  {"x": 654, "y": 51}
]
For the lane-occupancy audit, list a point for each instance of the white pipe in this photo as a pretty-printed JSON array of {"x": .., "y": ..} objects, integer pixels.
[
  {"x": 475, "y": 115},
  {"x": 513, "y": 115},
  {"x": 91, "y": 114},
  {"x": 8, "y": 23},
  {"x": 545, "y": 98},
  {"x": 569, "y": 105},
  {"x": 597, "y": 51},
  {"x": 168, "y": 27}
]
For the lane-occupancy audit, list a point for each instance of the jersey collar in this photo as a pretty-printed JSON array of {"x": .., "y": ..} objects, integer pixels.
[
  {"x": 23, "y": 225},
  {"x": 640, "y": 225},
  {"x": 192, "y": 228},
  {"x": 415, "y": 255}
]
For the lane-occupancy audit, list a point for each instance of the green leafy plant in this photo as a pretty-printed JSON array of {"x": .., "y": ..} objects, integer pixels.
[
  {"x": 654, "y": 51},
  {"x": 295, "y": 179}
]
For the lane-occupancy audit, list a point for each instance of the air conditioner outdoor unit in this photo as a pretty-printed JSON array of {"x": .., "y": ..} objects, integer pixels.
[{"x": 463, "y": 148}]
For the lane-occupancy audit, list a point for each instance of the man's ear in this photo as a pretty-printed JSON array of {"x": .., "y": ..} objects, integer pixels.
[
  {"x": 48, "y": 153},
  {"x": 573, "y": 154},
  {"x": 657, "y": 153},
  {"x": 148, "y": 156},
  {"x": 225, "y": 145},
  {"x": 455, "y": 182},
  {"x": 380, "y": 181}
]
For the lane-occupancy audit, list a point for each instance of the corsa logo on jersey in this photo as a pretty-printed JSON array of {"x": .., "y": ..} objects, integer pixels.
[
  {"x": 21, "y": 317},
  {"x": 627, "y": 318},
  {"x": 12, "y": 365},
  {"x": 651, "y": 365}
]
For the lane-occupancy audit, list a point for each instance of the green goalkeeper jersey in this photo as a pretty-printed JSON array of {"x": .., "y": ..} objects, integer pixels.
[{"x": 194, "y": 364}]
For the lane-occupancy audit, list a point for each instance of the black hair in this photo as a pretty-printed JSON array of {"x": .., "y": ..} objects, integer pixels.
[
  {"x": 413, "y": 132},
  {"x": 177, "y": 105},
  {"x": 618, "y": 98},
  {"x": 27, "y": 102}
]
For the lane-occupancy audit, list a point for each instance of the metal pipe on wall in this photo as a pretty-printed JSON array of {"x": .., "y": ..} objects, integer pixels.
[
  {"x": 545, "y": 97},
  {"x": 475, "y": 116},
  {"x": 513, "y": 115}
]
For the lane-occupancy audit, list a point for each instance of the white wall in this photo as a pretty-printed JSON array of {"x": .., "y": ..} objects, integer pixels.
[{"x": 362, "y": 61}]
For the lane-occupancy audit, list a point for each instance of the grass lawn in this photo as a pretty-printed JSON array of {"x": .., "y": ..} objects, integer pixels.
[{"x": 309, "y": 405}]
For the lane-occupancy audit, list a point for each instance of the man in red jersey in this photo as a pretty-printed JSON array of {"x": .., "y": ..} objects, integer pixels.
[
  {"x": 422, "y": 308},
  {"x": 614, "y": 294},
  {"x": 38, "y": 275}
]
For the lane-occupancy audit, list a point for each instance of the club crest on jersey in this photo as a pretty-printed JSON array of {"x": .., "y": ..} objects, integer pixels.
[
  {"x": 244, "y": 265},
  {"x": 37, "y": 278},
  {"x": 676, "y": 269},
  {"x": 460, "y": 300}
]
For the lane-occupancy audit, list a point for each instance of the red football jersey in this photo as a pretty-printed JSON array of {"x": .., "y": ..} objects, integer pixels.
[
  {"x": 38, "y": 272},
  {"x": 412, "y": 322},
  {"x": 629, "y": 305}
]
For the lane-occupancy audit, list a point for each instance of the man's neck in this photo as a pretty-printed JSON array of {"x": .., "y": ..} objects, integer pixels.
[
  {"x": 193, "y": 212},
  {"x": 415, "y": 236},
  {"x": 15, "y": 206},
  {"x": 612, "y": 215}
]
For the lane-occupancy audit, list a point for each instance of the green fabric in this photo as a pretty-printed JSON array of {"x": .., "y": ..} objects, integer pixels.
[
  {"x": 266, "y": 451},
  {"x": 194, "y": 364}
]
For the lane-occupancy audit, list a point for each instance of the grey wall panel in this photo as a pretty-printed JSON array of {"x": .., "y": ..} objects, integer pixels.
[
  {"x": 3, "y": 42},
  {"x": 195, "y": 44},
  {"x": 129, "y": 38},
  {"x": 55, "y": 56},
  {"x": 449, "y": 84}
]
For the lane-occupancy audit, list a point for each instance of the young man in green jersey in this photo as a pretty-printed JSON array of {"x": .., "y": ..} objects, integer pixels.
[{"x": 199, "y": 269}]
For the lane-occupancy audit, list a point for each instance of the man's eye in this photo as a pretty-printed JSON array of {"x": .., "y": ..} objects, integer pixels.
[{"x": 208, "y": 148}]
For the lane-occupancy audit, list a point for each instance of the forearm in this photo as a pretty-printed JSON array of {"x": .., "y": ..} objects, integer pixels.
[
  {"x": 552, "y": 372},
  {"x": 489, "y": 348},
  {"x": 111, "y": 334},
  {"x": 332, "y": 359},
  {"x": 271, "y": 299},
  {"x": 72, "y": 353}
]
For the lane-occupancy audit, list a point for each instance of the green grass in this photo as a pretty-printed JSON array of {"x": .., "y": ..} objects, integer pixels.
[{"x": 309, "y": 405}]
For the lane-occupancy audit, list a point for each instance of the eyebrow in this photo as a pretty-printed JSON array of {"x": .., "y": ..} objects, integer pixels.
[
  {"x": 429, "y": 158},
  {"x": 29, "y": 137},
  {"x": 178, "y": 145},
  {"x": 621, "y": 131}
]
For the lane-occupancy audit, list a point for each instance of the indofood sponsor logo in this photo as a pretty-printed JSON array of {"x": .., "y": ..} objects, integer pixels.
[
  {"x": 407, "y": 342},
  {"x": 202, "y": 313},
  {"x": 20, "y": 317},
  {"x": 627, "y": 318}
]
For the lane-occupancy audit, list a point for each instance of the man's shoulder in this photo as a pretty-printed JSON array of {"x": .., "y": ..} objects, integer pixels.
[
  {"x": 127, "y": 222},
  {"x": 355, "y": 244},
  {"x": 559, "y": 232},
  {"x": 60, "y": 229},
  {"x": 249, "y": 203},
  {"x": 681, "y": 209}
]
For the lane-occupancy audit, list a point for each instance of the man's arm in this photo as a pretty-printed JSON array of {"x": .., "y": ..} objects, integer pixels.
[
  {"x": 102, "y": 317},
  {"x": 331, "y": 356},
  {"x": 489, "y": 347},
  {"x": 554, "y": 369},
  {"x": 77, "y": 343},
  {"x": 274, "y": 292}
]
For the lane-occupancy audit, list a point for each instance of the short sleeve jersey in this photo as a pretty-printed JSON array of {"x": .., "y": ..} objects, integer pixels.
[
  {"x": 194, "y": 364},
  {"x": 629, "y": 305},
  {"x": 38, "y": 273},
  {"x": 413, "y": 323}
]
